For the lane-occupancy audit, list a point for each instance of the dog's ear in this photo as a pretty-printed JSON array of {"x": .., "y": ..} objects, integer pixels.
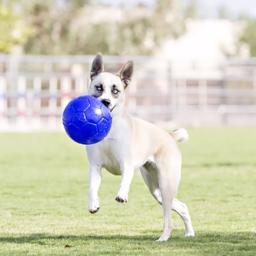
[
  {"x": 126, "y": 72},
  {"x": 97, "y": 66}
]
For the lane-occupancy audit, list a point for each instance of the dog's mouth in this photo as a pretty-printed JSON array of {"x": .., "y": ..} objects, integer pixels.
[
  {"x": 107, "y": 104},
  {"x": 112, "y": 108}
]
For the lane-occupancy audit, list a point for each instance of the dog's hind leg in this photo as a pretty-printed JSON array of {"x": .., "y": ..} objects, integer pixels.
[
  {"x": 182, "y": 210},
  {"x": 162, "y": 191},
  {"x": 149, "y": 173},
  {"x": 168, "y": 179}
]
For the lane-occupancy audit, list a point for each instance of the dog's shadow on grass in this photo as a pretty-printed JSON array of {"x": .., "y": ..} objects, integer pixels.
[{"x": 217, "y": 242}]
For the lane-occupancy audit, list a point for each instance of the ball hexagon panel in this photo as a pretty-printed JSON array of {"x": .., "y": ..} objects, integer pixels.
[
  {"x": 89, "y": 130},
  {"x": 68, "y": 114},
  {"x": 93, "y": 114},
  {"x": 104, "y": 126},
  {"x": 105, "y": 111},
  {"x": 81, "y": 103},
  {"x": 73, "y": 131}
]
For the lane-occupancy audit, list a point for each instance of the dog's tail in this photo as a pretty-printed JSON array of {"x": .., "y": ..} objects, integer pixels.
[{"x": 180, "y": 135}]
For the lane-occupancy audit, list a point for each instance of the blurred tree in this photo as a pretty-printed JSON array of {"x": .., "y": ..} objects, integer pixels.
[
  {"x": 50, "y": 28},
  {"x": 12, "y": 30},
  {"x": 79, "y": 3},
  {"x": 76, "y": 27},
  {"x": 248, "y": 35},
  {"x": 71, "y": 28},
  {"x": 191, "y": 10},
  {"x": 223, "y": 12},
  {"x": 167, "y": 20}
]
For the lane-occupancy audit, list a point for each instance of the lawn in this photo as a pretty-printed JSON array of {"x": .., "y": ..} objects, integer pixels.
[{"x": 43, "y": 203}]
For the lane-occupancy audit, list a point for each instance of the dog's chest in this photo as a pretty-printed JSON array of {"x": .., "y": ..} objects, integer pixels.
[
  {"x": 112, "y": 152},
  {"x": 111, "y": 155}
]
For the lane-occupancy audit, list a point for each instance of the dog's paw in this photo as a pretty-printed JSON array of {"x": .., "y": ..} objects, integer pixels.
[
  {"x": 122, "y": 198},
  {"x": 93, "y": 206},
  {"x": 190, "y": 233},
  {"x": 163, "y": 238},
  {"x": 92, "y": 211}
]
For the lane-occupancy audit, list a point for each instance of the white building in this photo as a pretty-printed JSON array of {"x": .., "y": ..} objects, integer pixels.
[{"x": 204, "y": 46}]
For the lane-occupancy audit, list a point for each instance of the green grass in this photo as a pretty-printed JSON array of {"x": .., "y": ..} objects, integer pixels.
[{"x": 43, "y": 200}]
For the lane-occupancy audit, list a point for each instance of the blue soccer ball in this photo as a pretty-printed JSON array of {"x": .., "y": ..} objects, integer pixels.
[{"x": 86, "y": 120}]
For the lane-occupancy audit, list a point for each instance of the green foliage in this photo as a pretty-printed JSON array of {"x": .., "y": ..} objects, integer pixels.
[
  {"x": 44, "y": 200},
  {"x": 191, "y": 10},
  {"x": 12, "y": 30},
  {"x": 69, "y": 28},
  {"x": 248, "y": 35},
  {"x": 50, "y": 29},
  {"x": 223, "y": 12}
]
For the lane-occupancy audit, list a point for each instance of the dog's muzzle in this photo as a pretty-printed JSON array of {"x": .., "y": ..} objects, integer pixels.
[{"x": 106, "y": 103}]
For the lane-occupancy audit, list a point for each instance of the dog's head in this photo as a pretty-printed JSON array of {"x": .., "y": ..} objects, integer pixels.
[{"x": 107, "y": 87}]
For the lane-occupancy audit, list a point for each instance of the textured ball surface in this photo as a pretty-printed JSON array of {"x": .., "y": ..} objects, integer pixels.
[{"x": 86, "y": 120}]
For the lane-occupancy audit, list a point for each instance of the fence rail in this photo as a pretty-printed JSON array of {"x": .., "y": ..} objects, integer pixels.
[{"x": 35, "y": 89}]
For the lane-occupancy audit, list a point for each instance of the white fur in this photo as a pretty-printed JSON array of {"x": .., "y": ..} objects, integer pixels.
[
  {"x": 180, "y": 135},
  {"x": 134, "y": 143}
]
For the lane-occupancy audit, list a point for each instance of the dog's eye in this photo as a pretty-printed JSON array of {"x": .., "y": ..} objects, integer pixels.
[
  {"x": 115, "y": 91},
  {"x": 99, "y": 88}
]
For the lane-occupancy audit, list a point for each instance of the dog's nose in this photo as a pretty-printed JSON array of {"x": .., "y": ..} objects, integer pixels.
[{"x": 106, "y": 102}]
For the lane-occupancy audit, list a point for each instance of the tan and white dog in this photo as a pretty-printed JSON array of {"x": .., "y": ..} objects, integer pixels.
[{"x": 134, "y": 143}]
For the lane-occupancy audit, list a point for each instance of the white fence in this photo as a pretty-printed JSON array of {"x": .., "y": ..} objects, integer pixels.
[{"x": 35, "y": 89}]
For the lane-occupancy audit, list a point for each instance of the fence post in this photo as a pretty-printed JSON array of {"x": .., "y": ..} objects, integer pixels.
[
  {"x": 65, "y": 92},
  {"x": 173, "y": 92},
  {"x": 182, "y": 94},
  {"x": 254, "y": 79},
  {"x": 203, "y": 95},
  {"x": 37, "y": 87},
  {"x": 81, "y": 87},
  {"x": 3, "y": 104},
  {"x": 52, "y": 108},
  {"x": 21, "y": 103}
]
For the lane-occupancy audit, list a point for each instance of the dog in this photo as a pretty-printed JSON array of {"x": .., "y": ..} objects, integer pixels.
[{"x": 134, "y": 143}]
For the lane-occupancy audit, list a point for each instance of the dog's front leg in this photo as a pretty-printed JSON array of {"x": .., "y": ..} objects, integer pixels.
[
  {"x": 127, "y": 175},
  {"x": 94, "y": 184}
]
